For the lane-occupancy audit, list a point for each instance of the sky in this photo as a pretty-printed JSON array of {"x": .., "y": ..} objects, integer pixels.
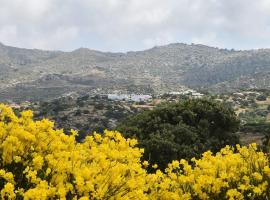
[{"x": 129, "y": 25}]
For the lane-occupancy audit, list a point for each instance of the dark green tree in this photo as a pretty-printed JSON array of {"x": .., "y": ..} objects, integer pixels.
[
  {"x": 261, "y": 97},
  {"x": 182, "y": 130}
]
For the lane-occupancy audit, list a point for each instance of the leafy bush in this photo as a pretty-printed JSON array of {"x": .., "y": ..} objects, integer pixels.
[
  {"x": 182, "y": 130},
  {"x": 261, "y": 97}
]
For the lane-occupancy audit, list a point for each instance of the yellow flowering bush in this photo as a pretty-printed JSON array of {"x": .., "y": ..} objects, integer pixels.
[
  {"x": 40, "y": 162},
  {"x": 241, "y": 173}
]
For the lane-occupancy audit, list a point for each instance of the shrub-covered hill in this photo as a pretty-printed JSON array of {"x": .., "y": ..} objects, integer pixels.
[
  {"x": 96, "y": 113},
  {"x": 41, "y": 162},
  {"x": 84, "y": 113}
]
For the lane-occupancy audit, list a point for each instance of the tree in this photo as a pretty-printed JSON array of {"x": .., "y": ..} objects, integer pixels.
[
  {"x": 261, "y": 97},
  {"x": 182, "y": 130}
]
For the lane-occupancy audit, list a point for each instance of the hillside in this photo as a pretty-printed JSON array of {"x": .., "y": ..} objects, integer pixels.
[
  {"x": 84, "y": 113},
  {"x": 37, "y": 75}
]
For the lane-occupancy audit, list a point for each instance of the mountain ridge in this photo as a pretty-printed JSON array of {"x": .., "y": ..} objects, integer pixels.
[
  {"x": 131, "y": 51},
  {"x": 156, "y": 70}
]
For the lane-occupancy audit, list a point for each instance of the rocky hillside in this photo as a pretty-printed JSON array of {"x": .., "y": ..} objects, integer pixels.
[
  {"x": 84, "y": 113},
  {"x": 37, "y": 75}
]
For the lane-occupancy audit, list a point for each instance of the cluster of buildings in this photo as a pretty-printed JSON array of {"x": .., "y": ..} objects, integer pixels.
[
  {"x": 130, "y": 97},
  {"x": 189, "y": 92},
  {"x": 144, "y": 98}
]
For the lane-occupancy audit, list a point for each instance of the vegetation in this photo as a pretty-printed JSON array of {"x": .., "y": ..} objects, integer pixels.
[
  {"x": 89, "y": 113},
  {"x": 84, "y": 113},
  {"x": 252, "y": 108},
  {"x": 182, "y": 130},
  {"x": 40, "y": 162},
  {"x": 261, "y": 98}
]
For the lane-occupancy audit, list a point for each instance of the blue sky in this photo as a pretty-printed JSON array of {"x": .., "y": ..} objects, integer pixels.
[{"x": 126, "y": 25}]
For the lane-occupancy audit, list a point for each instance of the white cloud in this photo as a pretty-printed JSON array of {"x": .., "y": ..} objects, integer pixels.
[
  {"x": 162, "y": 38},
  {"x": 209, "y": 38},
  {"x": 122, "y": 25},
  {"x": 62, "y": 36},
  {"x": 8, "y": 33}
]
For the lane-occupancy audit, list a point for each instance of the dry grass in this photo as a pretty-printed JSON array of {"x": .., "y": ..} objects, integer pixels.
[
  {"x": 267, "y": 102},
  {"x": 157, "y": 101},
  {"x": 268, "y": 117},
  {"x": 147, "y": 107},
  {"x": 249, "y": 138},
  {"x": 240, "y": 110}
]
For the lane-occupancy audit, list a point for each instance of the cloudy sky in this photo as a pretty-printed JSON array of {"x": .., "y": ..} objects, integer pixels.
[{"x": 123, "y": 25}]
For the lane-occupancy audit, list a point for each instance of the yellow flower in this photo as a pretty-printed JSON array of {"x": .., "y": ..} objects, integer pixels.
[
  {"x": 257, "y": 190},
  {"x": 257, "y": 176},
  {"x": 17, "y": 159},
  {"x": 266, "y": 170},
  {"x": 38, "y": 162},
  {"x": 145, "y": 163},
  {"x": 233, "y": 194},
  {"x": 8, "y": 191},
  {"x": 155, "y": 166}
]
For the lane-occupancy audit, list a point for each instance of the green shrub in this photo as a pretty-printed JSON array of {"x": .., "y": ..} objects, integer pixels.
[{"x": 182, "y": 130}]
